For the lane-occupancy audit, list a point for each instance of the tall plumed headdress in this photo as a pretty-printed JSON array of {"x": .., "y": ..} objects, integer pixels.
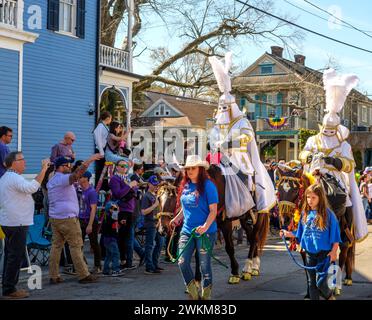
[{"x": 227, "y": 108}]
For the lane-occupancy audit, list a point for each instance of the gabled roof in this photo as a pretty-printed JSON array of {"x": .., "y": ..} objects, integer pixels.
[{"x": 195, "y": 110}]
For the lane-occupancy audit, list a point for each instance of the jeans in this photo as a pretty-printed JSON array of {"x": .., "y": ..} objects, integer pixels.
[
  {"x": 153, "y": 245},
  {"x": 126, "y": 238},
  {"x": 204, "y": 258},
  {"x": 112, "y": 256},
  {"x": 323, "y": 289},
  {"x": 93, "y": 239},
  {"x": 113, "y": 157},
  {"x": 14, "y": 255}
]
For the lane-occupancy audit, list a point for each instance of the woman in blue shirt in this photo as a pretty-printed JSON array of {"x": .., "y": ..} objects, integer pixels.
[
  {"x": 199, "y": 198},
  {"x": 319, "y": 236}
]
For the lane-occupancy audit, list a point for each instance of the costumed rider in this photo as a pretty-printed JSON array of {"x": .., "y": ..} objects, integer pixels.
[
  {"x": 233, "y": 135},
  {"x": 334, "y": 155}
]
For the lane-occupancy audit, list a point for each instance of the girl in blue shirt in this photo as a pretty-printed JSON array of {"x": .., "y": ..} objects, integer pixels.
[
  {"x": 199, "y": 198},
  {"x": 319, "y": 236}
]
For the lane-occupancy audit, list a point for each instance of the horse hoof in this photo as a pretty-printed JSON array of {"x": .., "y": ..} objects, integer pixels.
[
  {"x": 255, "y": 272},
  {"x": 246, "y": 276},
  {"x": 234, "y": 280},
  {"x": 337, "y": 292},
  {"x": 348, "y": 282}
]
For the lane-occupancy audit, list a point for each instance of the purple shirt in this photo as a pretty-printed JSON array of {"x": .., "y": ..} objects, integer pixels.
[
  {"x": 61, "y": 150},
  {"x": 4, "y": 151},
  {"x": 123, "y": 192},
  {"x": 88, "y": 197},
  {"x": 63, "y": 201}
]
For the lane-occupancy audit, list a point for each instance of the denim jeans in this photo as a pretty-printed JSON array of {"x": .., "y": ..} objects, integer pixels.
[
  {"x": 112, "y": 256},
  {"x": 323, "y": 289},
  {"x": 204, "y": 258},
  {"x": 153, "y": 244}
]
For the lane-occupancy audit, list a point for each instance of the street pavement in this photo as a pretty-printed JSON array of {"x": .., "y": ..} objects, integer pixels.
[{"x": 280, "y": 279}]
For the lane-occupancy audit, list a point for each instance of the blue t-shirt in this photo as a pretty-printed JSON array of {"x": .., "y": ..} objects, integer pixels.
[
  {"x": 88, "y": 197},
  {"x": 196, "y": 207},
  {"x": 314, "y": 240},
  {"x": 4, "y": 151}
]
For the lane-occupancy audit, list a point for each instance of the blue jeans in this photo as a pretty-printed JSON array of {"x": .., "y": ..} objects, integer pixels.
[
  {"x": 205, "y": 260},
  {"x": 323, "y": 289},
  {"x": 153, "y": 244},
  {"x": 113, "y": 157},
  {"x": 112, "y": 256}
]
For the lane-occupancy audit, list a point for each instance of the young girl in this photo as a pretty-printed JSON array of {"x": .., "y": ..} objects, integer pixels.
[
  {"x": 115, "y": 137},
  {"x": 319, "y": 236}
]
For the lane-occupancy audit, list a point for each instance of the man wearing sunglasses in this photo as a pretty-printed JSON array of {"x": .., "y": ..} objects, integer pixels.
[
  {"x": 64, "y": 148},
  {"x": 64, "y": 213},
  {"x": 125, "y": 192},
  {"x": 6, "y": 135}
]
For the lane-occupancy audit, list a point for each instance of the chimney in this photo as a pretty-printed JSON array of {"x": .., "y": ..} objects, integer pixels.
[
  {"x": 277, "y": 51},
  {"x": 299, "y": 58}
]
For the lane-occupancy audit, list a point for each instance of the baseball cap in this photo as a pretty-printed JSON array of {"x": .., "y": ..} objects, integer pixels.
[
  {"x": 62, "y": 160},
  {"x": 87, "y": 174},
  {"x": 153, "y": 180}
]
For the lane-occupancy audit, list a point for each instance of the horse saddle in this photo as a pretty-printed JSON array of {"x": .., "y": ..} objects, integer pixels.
[{"x": 335, "y": 194}]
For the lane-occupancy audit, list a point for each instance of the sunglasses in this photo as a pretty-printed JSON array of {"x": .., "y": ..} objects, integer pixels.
[
  {"x": 123, "y": 166},
  {"x": 20, "y": 159},
  {"x": 67, "y": 165}
]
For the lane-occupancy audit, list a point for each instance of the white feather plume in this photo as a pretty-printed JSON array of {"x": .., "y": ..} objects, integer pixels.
[{"x": 221, "y": 72}]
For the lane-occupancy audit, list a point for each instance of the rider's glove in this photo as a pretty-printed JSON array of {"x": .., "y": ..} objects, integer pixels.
[{"x": 337, "y": 163}]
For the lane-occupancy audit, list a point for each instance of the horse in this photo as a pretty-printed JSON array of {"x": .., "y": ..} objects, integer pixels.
[{"x": 255, "y": 225}]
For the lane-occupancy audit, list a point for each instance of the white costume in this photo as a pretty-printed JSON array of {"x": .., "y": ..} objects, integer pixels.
[
  {"x": 331, "y": 141},
  {"x": 235, "y": 136}
]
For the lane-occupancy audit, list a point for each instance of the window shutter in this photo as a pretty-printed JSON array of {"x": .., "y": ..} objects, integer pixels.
[
  {"x": 264, "y": 106},
  {"x": 53, "y": 15},
  {"x": 279, "y": 107},
  {"x": 257, "y": 112},
  {"x": 80, "y": 19}
]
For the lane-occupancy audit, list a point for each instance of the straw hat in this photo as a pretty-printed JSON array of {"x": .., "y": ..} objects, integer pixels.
[{"x": 195, "y": 161}]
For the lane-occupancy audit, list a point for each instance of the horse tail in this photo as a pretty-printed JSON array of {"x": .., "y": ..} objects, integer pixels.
[{"x": 262, "y": 230}]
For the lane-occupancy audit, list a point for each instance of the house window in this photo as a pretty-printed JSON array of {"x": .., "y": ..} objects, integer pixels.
[
  {"x": 267, "y": 69},
  {"x": 364, "y": 114},
  {"x": 67, "y": 16},
  {"x": 270, "y": 107}
]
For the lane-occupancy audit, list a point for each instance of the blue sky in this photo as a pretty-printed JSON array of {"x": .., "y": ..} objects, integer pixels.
[{"x": 317, "y": 50}]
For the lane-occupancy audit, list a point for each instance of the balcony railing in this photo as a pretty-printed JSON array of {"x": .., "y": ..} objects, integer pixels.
[
  {"x": 8, "y": 12},
  {"x": 293, "y": 123},
  {"x": 114, "y": 58}
]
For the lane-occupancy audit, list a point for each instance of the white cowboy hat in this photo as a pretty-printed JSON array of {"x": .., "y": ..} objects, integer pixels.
[{"x": 195, "y": 161}]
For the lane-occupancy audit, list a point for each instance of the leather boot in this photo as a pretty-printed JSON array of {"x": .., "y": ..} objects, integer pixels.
[{"x": 192, "y": 290}]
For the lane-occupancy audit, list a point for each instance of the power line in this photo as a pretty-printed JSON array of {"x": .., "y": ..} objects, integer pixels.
[
  {"x": 345, "y": 22},
  {"x": 304, "y": 28}
]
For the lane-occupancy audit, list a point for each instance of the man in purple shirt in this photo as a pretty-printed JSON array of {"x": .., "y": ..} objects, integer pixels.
[
  {"x": 125, "y": 192},
  {"x": 6, "y": 135},
  {"x": 63, "y": 213},
  {"x": 88, "y": 217},
  {"x": 64, "y": 148}
]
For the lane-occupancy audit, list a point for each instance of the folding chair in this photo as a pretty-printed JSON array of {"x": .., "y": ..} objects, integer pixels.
[{"x": 38, "y": 245}]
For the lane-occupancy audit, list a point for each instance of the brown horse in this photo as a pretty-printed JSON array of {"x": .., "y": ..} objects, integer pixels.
[{"x": 256, "y": 226}]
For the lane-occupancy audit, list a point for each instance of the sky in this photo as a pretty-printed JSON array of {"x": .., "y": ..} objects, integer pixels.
[{"x": 317, "y": 50}]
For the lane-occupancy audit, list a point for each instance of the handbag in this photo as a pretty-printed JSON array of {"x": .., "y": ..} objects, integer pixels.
[{"x": 335, "y": 194}]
